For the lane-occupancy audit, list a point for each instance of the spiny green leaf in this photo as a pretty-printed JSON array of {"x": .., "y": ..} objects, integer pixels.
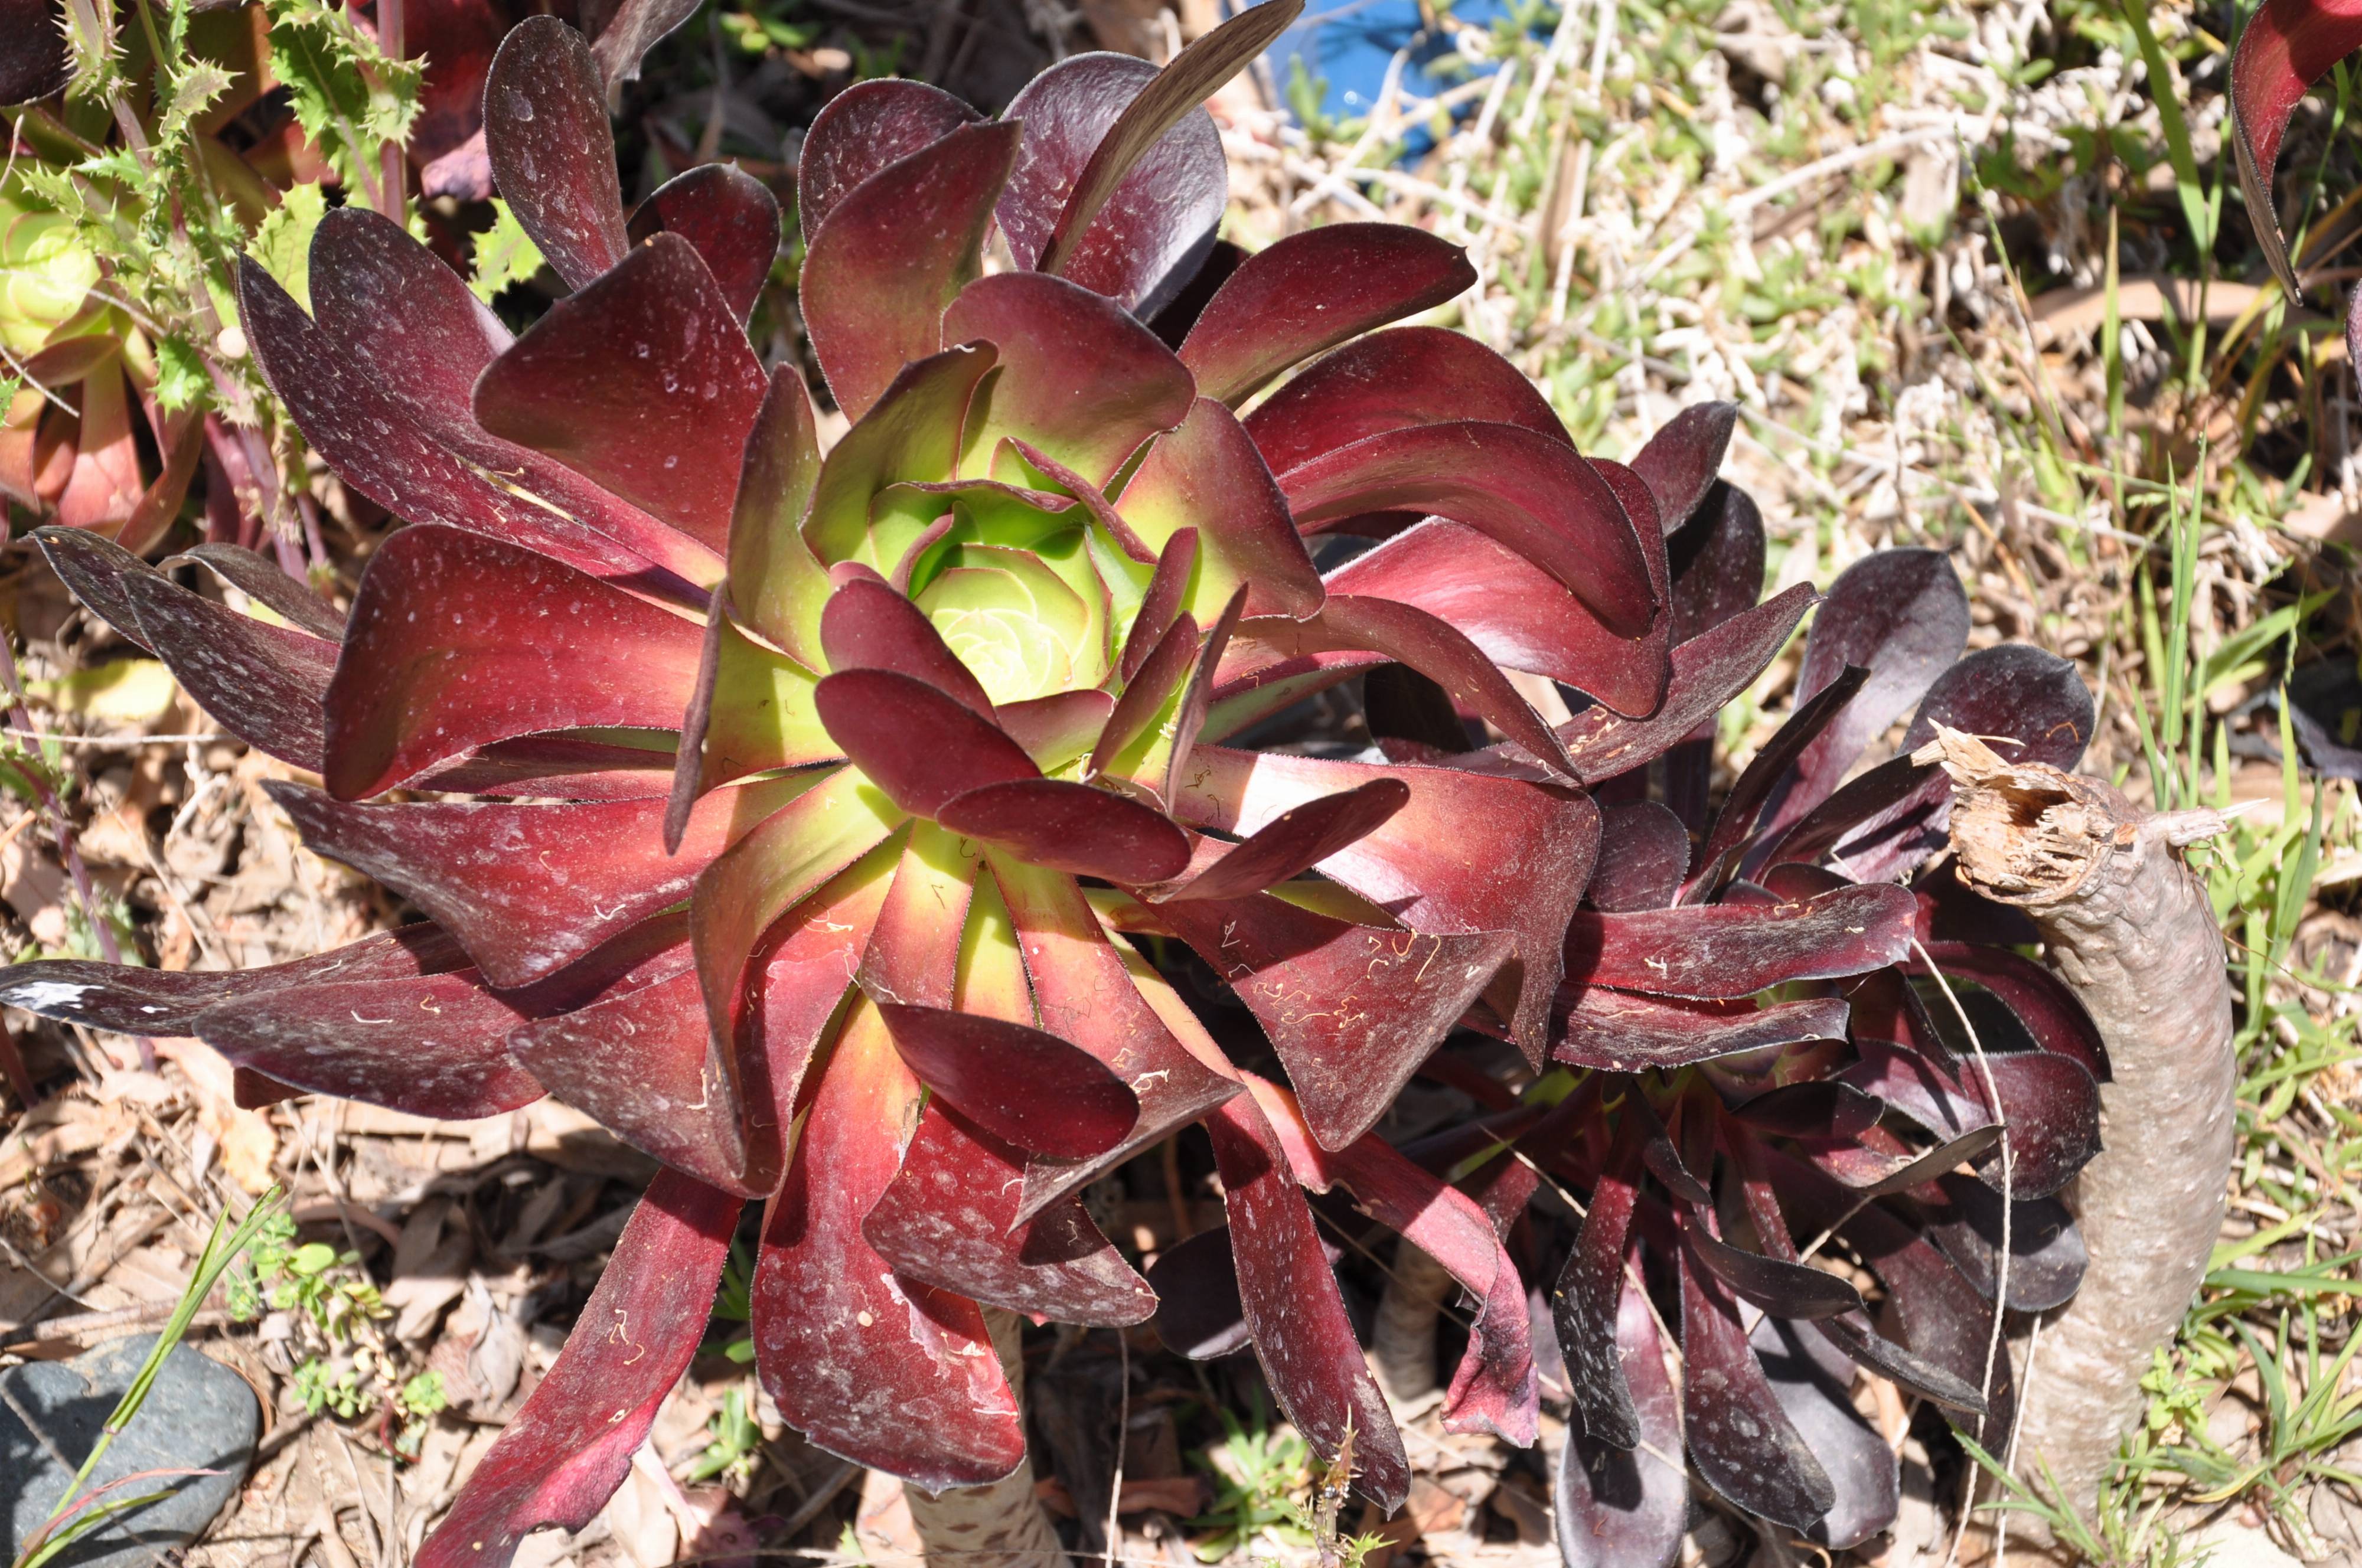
[
  {"x": 199, "y": 83},
  {"x": 180, "y": 377},
  {"x": 284, "y": 242},
  {"x": 502, "y": 254},
  {"x": 347, "y": 97}
]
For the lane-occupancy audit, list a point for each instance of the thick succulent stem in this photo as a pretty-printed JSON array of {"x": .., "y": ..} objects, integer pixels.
[
  {"x": 2129, "y": 929},
  {"x": 999, "y": 1526},
  {"x": 1402, "y": 1340}
]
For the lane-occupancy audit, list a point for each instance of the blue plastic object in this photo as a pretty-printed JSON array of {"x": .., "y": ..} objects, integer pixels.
[{"x": 1345, "y": 47}]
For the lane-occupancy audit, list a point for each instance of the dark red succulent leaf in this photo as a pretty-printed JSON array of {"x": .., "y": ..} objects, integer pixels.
[
  {"x": 631, "y": 29},
  {"x": 868, "y": 625},
  {"x": 1644, "y": 854},
  {"x": 1912, "y": 1374},
  {"x": 427, "y": 464},
  {"x": 1619, "y": 1032},
  {"x": 948, "y": 1218},
  {"x": 728, "y": 217},
  {"x": 1186, "y": 81},
  {"x": 1813, "y": 1381},
  {"x": 1388, "y": 998},
  {"x": 1167, "y": 665},
  {"x": 1880, "y": 811},
  {"x": 1951, "y": 912},
  {"x": 266, "y": 682},
  {"x": 564, "y": 765},
  {"x": 1622, "y": 1507},
  {"x": 2051, "y": 1109},
  {"x": 642, "y": 1061},
  {"x": 385, "y": 389},
  {"x": 1944, "y": 1323},
  {"x": 1080, "y": 380},
  {"x": 434, "y": 1045},
  {"x": 551, "y": 154},
  {"x": 129, "y": 1000},
  {"x": 1293, "y": 1311},
  {"x": 788, "y": 587},
  {"x": 919, "y": 744},
  {"x": 862, "y": 130},
  {"x": 1312, "y": 290},
  {"x": 1198, "y": 1312},
  {"x": 1197, "y": 701},
  {"x": 1735, "y": 823},
  {"x": 1029, "y": 1089},
  {"x": 1057, "y": 728},
  {"x": 1681, "y": 462},
  {"x": 2027, "y": 703},
  {"x": 1206, "y": 475},
  {"x": 97, "y": 571},
  {"x": 893, "y": 253},
  {"x": 1943, "y": 1318},
  {"x": 1588, "y": 1300},
  {"x": 643, "y": 383},
  {"x": 1468, "y": 855},
  {"x": 2286, "y": 46},
  {"x": 1707, "y": 671},
  {"x": 1716, "y": 561},
  {"x": 567, "y": 1450},
  {"x": 1436, "y": 649},
  {"x": 2053, "y": 1015},
  {"x": 1739, "y": 1437},
  {"x": 392, "y": 309},
  {"x": 34, "y": 59},
  {"x": 1811, "y": 1108},
  {"x": 516, "y": 642},
  {"x": 1160, "y": 602},
  {"x": 913, "y": 954},
  {"x": 2047, "y": 1255},
  {"x": 1781, "y": 1288},
  {"x": 688, "y": 764},
  {"x": 1493, "y": 1390},
  {"x": 1074, "y": 828},
  {"x": 789, "y": 857},
  {"x": 1528, "y": 492},
  {"x": 265, "y": 582},
  {"x": 1903, "y": 615},
  {"x": 1292, "y": 843},
  {"x": 1663, "y": 1159},
  {"x": 1156, "y": 223},
  {"x": 1388, "y": 381},
  {"x": 859, "y": 1359},
  {"x": 1519, "y": 615},
  {"x": 1726, "y": 952},
  {"x": 528, "y": 888},
  {"x": 1089, "y": 992}
]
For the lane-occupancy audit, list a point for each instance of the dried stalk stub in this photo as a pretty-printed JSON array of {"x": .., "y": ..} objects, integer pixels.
[{"x": 2130, "y": 931}]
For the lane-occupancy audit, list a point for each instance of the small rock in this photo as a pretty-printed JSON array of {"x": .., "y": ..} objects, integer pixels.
[
  {"x": 198, "y": 1415},
  {"x": 2229, "y": 1544}
]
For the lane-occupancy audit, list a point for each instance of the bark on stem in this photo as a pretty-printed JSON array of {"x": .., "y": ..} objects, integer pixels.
[
  {"x": 2130, "y": 931},
  {"x": 999, "y": 1526},
  {"x": 1402, "y": 1340}
]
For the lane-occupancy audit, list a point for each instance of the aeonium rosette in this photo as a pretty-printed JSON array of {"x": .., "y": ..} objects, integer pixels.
[
  {"x": 1787, "y": 1031},
  {"x": 784, "y": 810}
]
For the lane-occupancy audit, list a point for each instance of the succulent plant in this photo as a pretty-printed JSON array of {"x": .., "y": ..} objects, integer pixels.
[
  {"x": 796, "y": 814},
  {"x": 1778, "y": 1030},
  {"x": 82, "y": 373},
  {"x": 981, "y": 649}
]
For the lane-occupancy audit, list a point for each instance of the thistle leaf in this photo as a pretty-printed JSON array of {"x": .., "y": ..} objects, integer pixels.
[{"x": 503, "y": 255}]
